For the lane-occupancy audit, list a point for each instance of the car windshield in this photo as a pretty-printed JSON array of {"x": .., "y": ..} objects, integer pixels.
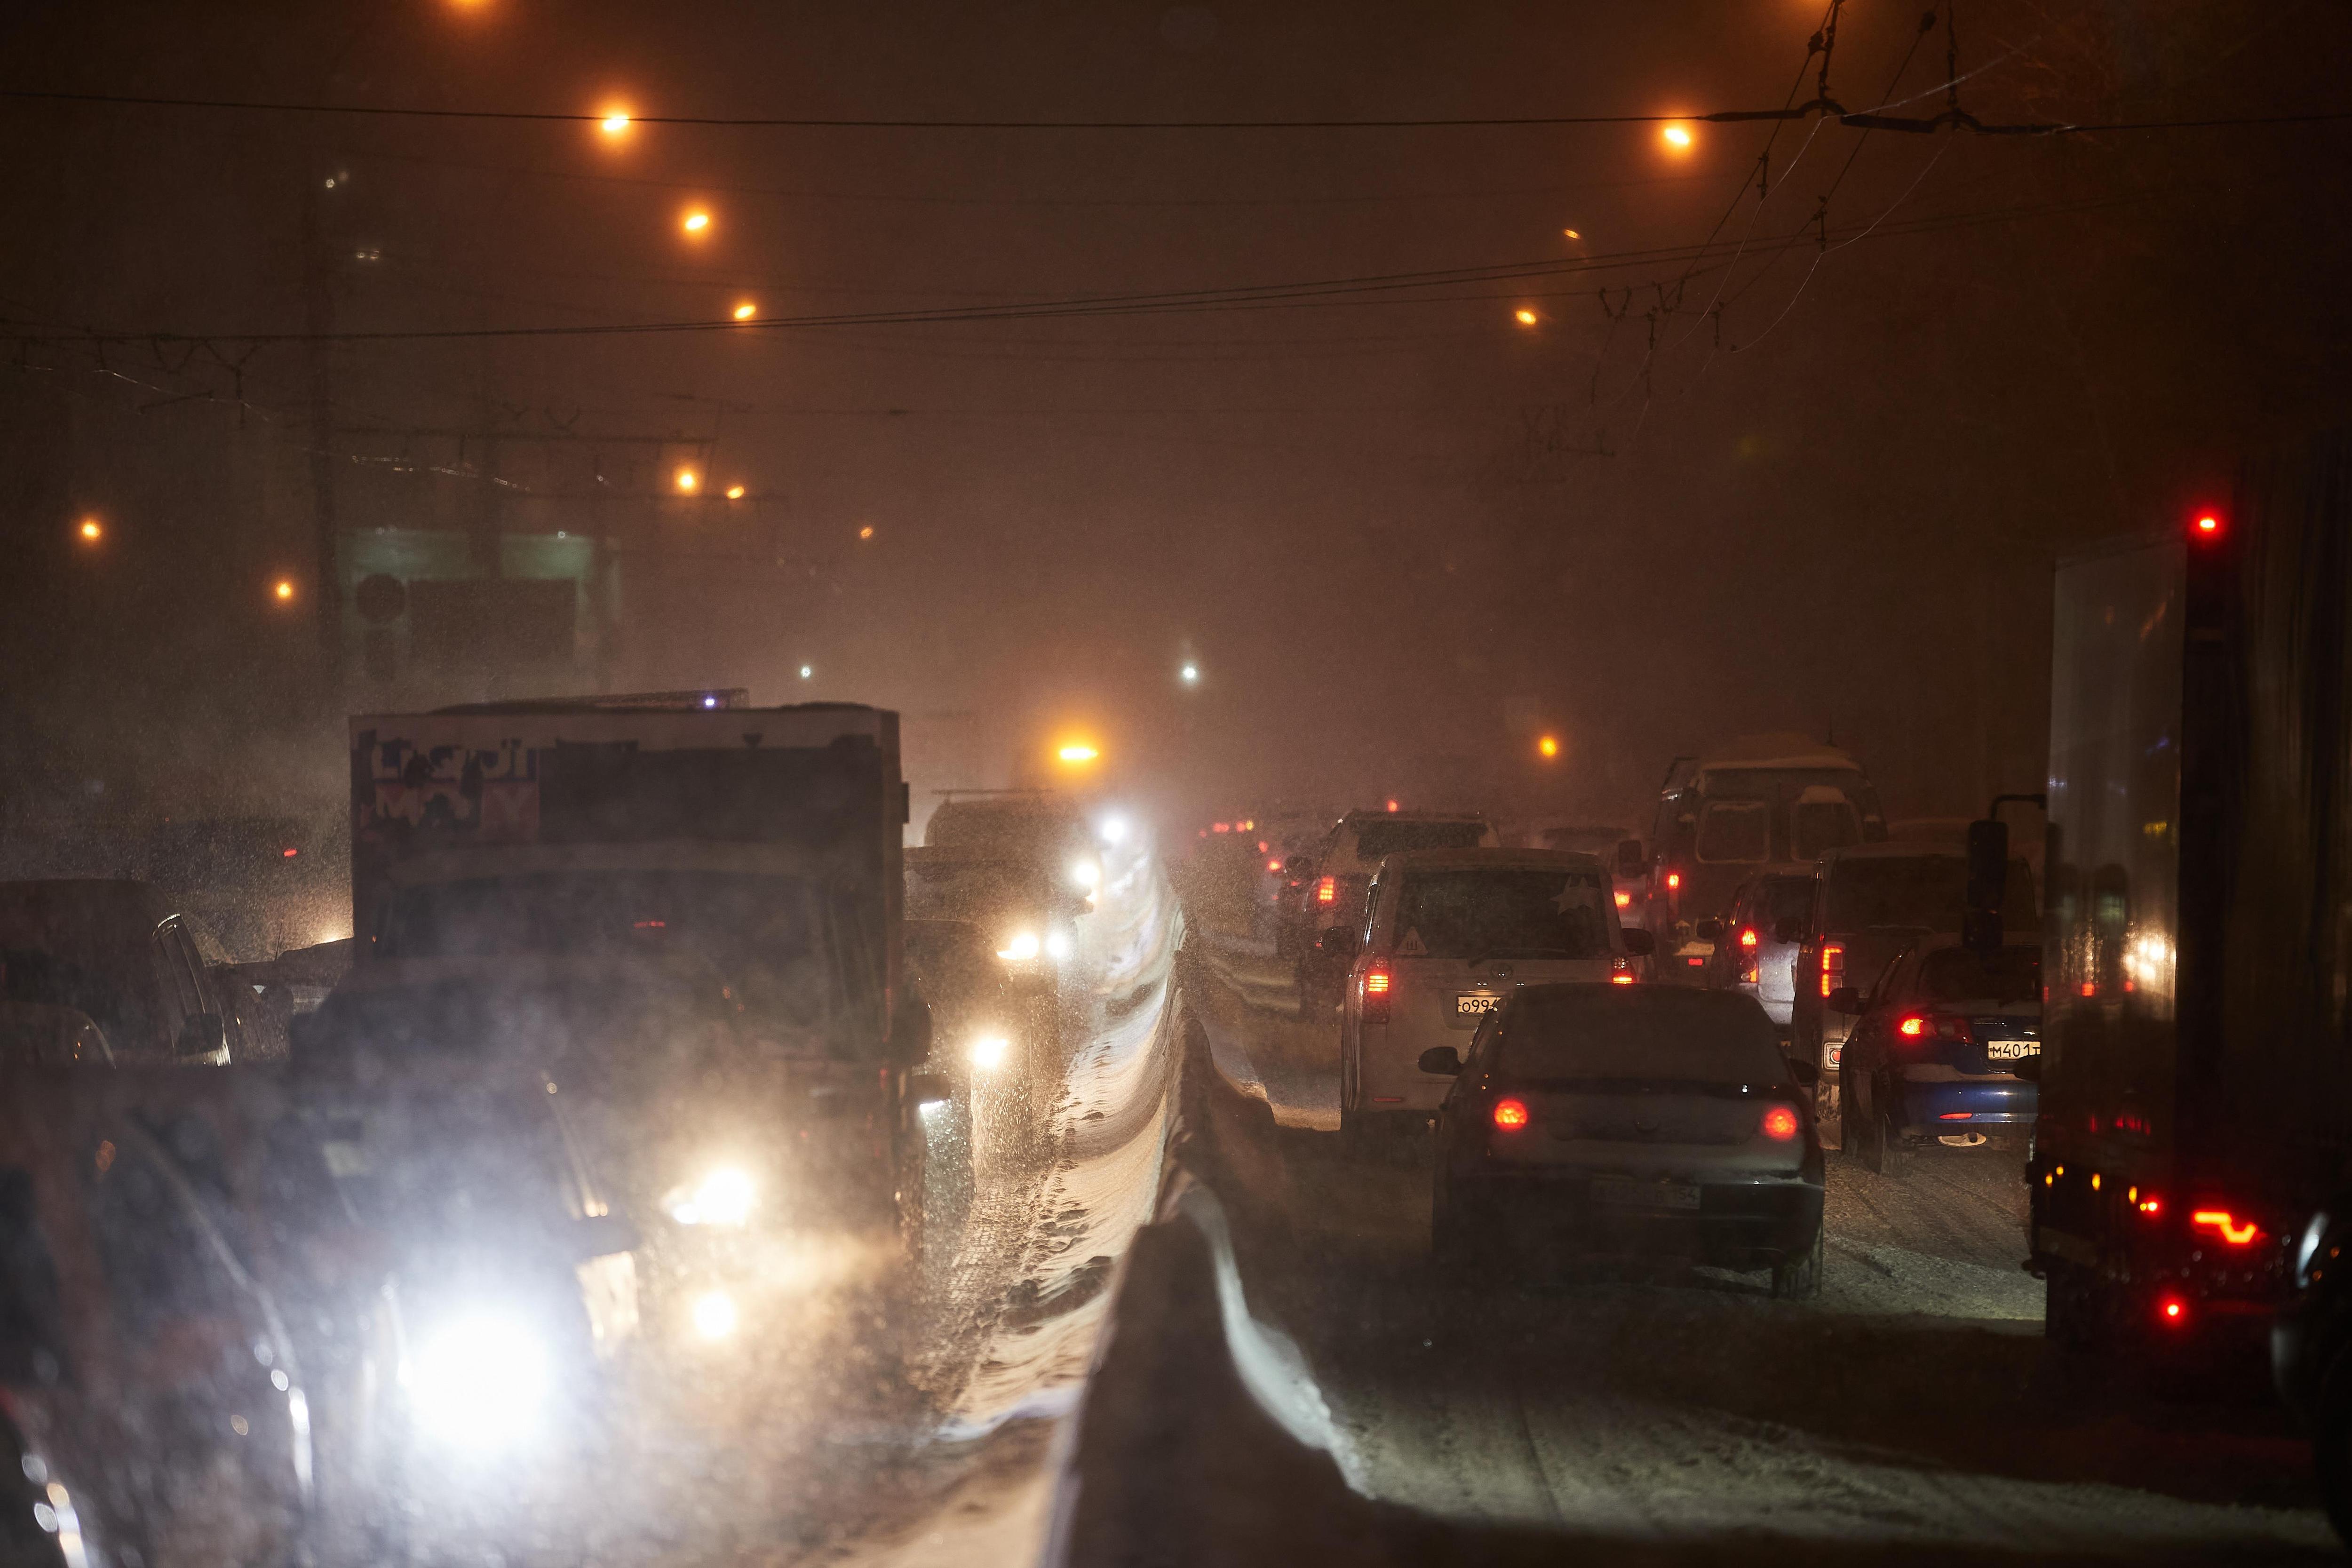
[
  {"x": 1925, "y": 891},
  {"x": 1735, "y": 830},
  {"x": 765, "y": 937},
  {"x": 1654, "y": 1034},
  {"x": 1519, "y": 911},
  {"x": 2007, "y": 975},
  {"x": 1377, "y": 840}
]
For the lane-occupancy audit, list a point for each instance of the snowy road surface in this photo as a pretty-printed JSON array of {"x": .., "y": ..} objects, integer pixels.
[{"x": 1915, "y": 1409}]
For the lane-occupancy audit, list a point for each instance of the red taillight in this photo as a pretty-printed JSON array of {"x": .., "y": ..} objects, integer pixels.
[
  {"x": 1912, "y": 1028},
  {"x": 1274, "y": 864},
  {"x": 1376, "y": 983},
  {"x": 1624, "y": 899},
  {"x": 288, "y": 854},
  {"x": 1621, "y": 978},
  {"x": 1326, "y": 890},
  {"x": 1674, "y": 881},
  {"x": 2228, "y": 1226},
  {"x": 2090, "y": 988},
  {"x": 1747, "y": 937},
  {"x": 2208, "y": 525},
  {"x": 2172, "y": 1312},
  {"x": 1220, "y": 827},
  {"x": 1780, "y": 1123},
  {"x": 2150, "y": 1205},
  {"x": 1376, "y": 995},
  {"x": 1833, "y": 965},
  {"x": 1955, "y": 1116},
  {"x": 1695, "y": 963},
  {"x": 1511, "y": 1115}
]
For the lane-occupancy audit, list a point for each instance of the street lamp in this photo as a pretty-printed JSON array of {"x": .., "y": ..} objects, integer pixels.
[
  {"x": 1677, "y": 136},
  {"x": 615, "y": 123},
  {"x": 282, "y": 590},
  {"x": 734, "y": 493},
  {"x": 746, "y": 310},
  {"x": 1190, "y": 675},
  {"x": 807, "y": 671},
  {"x": 687, "y": 481},
  {"x": 1547, "y": 747},
  {"x": 695, "y": 222},
  {"x": 1524, "y": 316},
  {"x": 90, "y": 531}
]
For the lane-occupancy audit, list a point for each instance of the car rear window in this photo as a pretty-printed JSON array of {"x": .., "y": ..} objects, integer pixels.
[
  {"x": 1956, "y": 975},
  {"x": 1658, "y": 1034},
  {"x": 1735, "y": 830},
  {"x": 1376, "y": 840},
  {"x": 1816, "y": 827},
  {"x": 1503, "y": 911},
  {"x": 1927, "y": 891},
  {"x": 1786, "y": 898}
]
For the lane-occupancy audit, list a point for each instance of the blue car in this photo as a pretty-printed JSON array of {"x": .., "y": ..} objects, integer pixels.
[{"x": 1934, "y": 1053}]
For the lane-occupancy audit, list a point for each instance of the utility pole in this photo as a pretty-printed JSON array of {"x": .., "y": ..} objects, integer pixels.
[{"x": 317, "y": 323}]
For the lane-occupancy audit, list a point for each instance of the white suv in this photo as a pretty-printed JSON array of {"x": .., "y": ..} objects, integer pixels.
[
  {"x": 1449, "y": 935},
  {"x": 1333, "y": 896}
]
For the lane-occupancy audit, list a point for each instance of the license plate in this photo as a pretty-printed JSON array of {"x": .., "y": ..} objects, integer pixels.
[
  {"x": 1472, "y": 1004},
  {"x": 2009, "y": 1051},
  {"x": 1624, "y": 1191}
]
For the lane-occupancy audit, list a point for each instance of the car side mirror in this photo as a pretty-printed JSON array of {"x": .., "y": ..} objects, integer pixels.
[
  {"x": 603, "y": 1235},
  {"x": 1789, "y": 928},
  {"x": 1844, "y": 999},
  {"x": 910, "y": 1030},
  {"x": 928, "y": 1088},
  {"x": 1806, "y": 1073},
  {"x": 1339, "y": 941},
  {"x": 2027, "y": 1067},
  {"x": 1708, "y": 929},
  {"x": 202, "y": 1034},
  {"x": 1638, "y": 944},
  {"x": 1443, "y": 1059}
]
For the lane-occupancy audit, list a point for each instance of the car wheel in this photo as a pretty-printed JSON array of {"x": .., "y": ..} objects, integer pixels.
[
  {"x": 1798, "y": 1278},
  {"x": 1895, "y": 1155}
]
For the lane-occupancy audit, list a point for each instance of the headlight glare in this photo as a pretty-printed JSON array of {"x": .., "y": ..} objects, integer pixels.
[
  {"x": 722, "y": 1197},
  {"x": 989, "y": 1051},
  {"x": 1023, "y": 948},
  {"x": 480, "y": 1382}
]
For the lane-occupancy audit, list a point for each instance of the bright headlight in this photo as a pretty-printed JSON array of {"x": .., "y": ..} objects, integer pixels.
[
  {"x": 1020, "y": 949},
  {"x": 1087, "y": 874},
  {"x": 988, "y": 1052},
  {"x": 715, "y": 1316},
  {"x": 1057, "y": 945},
  {"x": 722, "y": 1197},
  {"x": 480, "y": 1382}
]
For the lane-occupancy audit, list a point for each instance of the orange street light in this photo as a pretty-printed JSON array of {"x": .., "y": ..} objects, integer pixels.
[
  {"x": 282, "y": 590},
  {"x": 615, "y": 123},
  {"x": 1549, "y": 747},
  {"x": 696, "y": 221},
  {"x": 1077, "y": 754},
  {"x": 866, "y": 533},
  {"x": 1524, "y": 316},
  {"x": 746, "y": 310},
  {"x": 90, "y": 532},
  {"x": 1677, "y": 136},
  {"x": 734, "y": 493},
  {"x": 687, "y": 481},
  {"x": 1571, "y": 234}
]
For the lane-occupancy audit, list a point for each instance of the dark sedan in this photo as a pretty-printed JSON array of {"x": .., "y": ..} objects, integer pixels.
[
  {"x": 1596, "y": 1119},
  {"x": 1934, "y": 1054}
]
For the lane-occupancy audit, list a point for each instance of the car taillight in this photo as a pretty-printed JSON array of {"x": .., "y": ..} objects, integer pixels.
[
  {"x": 1674, "y": 881},
  {"x": 1326, "y": 890},
  {"x": 1620, "y": 971},
  {"x": 2172, "y": 1312},
  {"x": 1748, "y": 938},
  {"x": 1624, "y": 899},
  {"x": 2226, "y": 1226},
  {"x": 1377, "y": 982},
  {"x": 1918, "y": 1028},
  {"x": 1274, "y": 864},
  {"x": 1833, "y": 965},
  {"x": 1511, "y": 1115},
  {"x": 1780, "y": 1123}
]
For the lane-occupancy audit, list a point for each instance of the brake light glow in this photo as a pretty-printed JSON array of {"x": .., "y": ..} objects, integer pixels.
[
  {"x": 1274, "y": 864},
  {"x": 2208, "y": 525},
  {"x": 1326, "y": 890},
  {"x": 1376, "y": 995},
  {"x": 1674, "y": 881},
  {"x": 1955, "y": 1116},
  {"x": 2226, "y": 1226},
  {"x": 1621, "y": 978},
  {"x": 1780, "y": 1123},
  {"x": 1833, "y": 965},
  {"x": 2150, "y": 1205},
  {"x": 1511, "y": 1115},
  {"x": 1220, "y": 827},
  {"x": 2090, "y": 988},
  {"x": 2172, "y": 1312},
  {"x": 1912, "y": 1028},
  {"x": 1624, "y": 899},
  {"x": 1747, "y": 937},
  {"x": 1376, "y": 983},
  {"x": 289, "y": 853}
]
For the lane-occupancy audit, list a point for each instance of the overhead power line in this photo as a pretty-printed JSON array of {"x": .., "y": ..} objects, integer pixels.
[
  {"x": 1266, "y": 295},
  {"x": 1822, "y": 106}
]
